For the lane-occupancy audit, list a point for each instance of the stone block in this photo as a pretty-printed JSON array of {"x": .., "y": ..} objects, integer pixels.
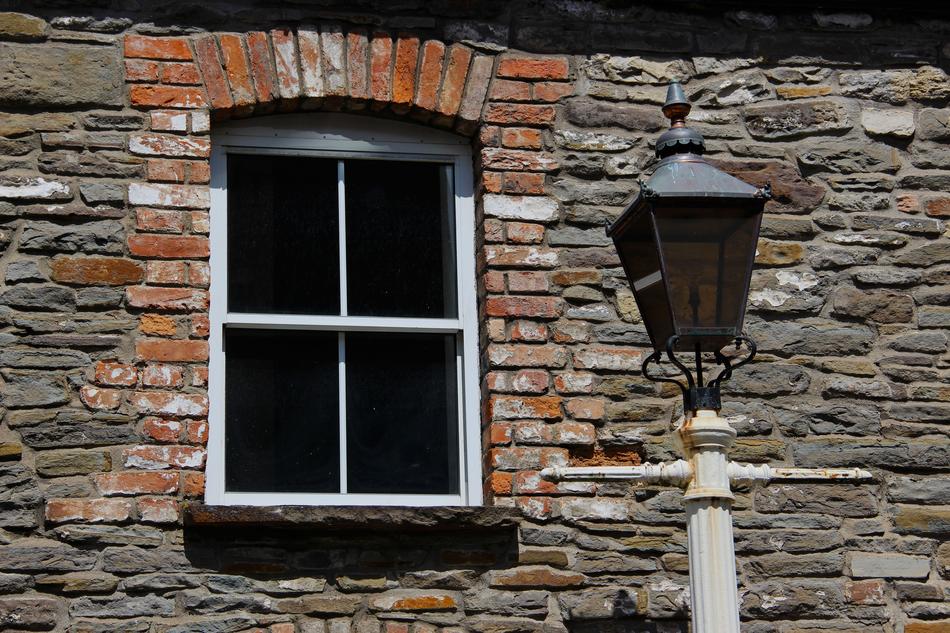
[
  {"x": 57, "y": 75},
  {"x": 871, "y": 565}
]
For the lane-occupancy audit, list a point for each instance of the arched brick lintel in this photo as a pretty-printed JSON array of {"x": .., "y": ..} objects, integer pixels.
[{"x": 283, "y": 70}]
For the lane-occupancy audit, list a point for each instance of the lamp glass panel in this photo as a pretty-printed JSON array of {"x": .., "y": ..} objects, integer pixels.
[
  {"x": 707, "y": 252},
  {"x": 641, "y": 261}
]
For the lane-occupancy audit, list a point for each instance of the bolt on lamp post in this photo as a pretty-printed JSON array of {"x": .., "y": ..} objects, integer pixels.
[{"x": 687, "y": 244}]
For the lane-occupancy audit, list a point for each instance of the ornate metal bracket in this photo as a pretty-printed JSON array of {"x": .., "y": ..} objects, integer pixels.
[{"x": 697, "y": 395}]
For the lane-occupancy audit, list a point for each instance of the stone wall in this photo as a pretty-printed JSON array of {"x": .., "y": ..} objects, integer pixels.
[{"x": 104, "y": 130}]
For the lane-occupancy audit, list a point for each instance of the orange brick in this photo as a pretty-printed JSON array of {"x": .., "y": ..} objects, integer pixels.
[
  {"x": 137, "y": 483},
  {"x": 180, "y": 73},
  {"x": 157, "y": 47},
  {"x": 169, "y": 246},
  {"x": 95, "y": 271},
  {"x": 534, "y": 68},
  {"x": 356, "y": 48},
  {"x": 430, "y": 74},
  {"x": 238, "y": 71},
  {"x": 171, "y": 350},
  {"x": 404, "y": 72},
  {"x": 166, "y": 298},
  {"x": 157, "y": 325},
  {"x": 206, "y": 52},
  {"x": 262, "y": 70},
  {"x": 521, "y": 138},
  {"x": 536, "y": 307},
  {"x": 113, "y": 373},
  {"x": 450, "y": 97},
  {"x": 168, "y": 97},
  {"x": 141, "y": 70},
  {"x": 381, "y": 59}
]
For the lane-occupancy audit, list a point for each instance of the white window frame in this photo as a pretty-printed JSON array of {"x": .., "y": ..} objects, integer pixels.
[{"x": 347, "y": 136}]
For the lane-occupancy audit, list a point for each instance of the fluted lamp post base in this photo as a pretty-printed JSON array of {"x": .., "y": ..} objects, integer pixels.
[{"x": 707, "y": 476}]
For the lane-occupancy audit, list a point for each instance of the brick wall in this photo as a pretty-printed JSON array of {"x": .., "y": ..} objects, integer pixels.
[{"x": 104, "y": 144}]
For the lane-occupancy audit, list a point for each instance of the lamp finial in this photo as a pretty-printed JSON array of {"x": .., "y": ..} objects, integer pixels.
[{"x": 679, "y": 139}]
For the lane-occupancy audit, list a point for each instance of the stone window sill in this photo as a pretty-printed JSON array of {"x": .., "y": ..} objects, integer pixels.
[{"x": 354, "y": 518}]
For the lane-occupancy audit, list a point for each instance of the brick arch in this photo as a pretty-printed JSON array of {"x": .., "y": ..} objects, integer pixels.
[{"x": 284, "y": 70}]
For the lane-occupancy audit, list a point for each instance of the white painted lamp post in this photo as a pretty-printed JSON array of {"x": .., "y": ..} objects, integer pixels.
[{"x": 687, "y": 244}]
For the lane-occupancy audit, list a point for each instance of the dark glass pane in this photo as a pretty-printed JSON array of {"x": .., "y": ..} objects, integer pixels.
[
  {"x": 281, "y": 411},
  {"x": 283, "y": 253},
  {"x": 401, "y": 413},
  {"x": 641, "y": 261},
  {"x": 708, "y": 255},
  {"x": 400, "y": 238}
]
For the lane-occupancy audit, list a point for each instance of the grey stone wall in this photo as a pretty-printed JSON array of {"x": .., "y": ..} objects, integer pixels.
[{"x": 846, "y": 113}]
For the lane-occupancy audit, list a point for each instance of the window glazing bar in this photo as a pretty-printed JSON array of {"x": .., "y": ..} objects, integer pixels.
[{"x": 341, "y": 323}]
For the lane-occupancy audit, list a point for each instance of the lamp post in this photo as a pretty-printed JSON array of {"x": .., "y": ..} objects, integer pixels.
[{"x": 687, "y": 244}]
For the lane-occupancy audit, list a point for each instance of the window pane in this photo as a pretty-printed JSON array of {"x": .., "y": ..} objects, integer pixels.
[
  {"x": 283, "y": 253},
  {"x": 400, "y": 239},
  {"x": 281, "y": 411},
  {"x": 401, "y": 413}
]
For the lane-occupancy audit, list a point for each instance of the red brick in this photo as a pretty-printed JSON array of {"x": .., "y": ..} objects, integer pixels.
[
  {"x": 519, "y": 114},
  {"x": 476, "y": 88},
  {"x": 333, "y": 55},
  {"x": 285, "y": 57},
  {"x": 507, "y": 90},
  {"x": 165, "y": 170},
  {"x": 311, "y": 71},
  {"x": 404, "y": 72},
  {"x": 199, "y": 171},
  {"x": 166, "y": 298},
  {"x": 527, "y": 281},
  {"x": 524, "y": 233},
  {"x": 585, "y": 408},
  {"x": 938, "y": 207},
  {"x": 494, "y": 281},
  {"x": 524, "y": 407},
  {"x": 165, "y": 272},
  {"x": 262, "y": 70},
  {"x": 527, "y": 356},
  {"x": 141, "y": 70},
  {"x": 171, "y": 350},
  {"x": 159, "y": 220},
  {"x": 537, "y": 307},
  {"x": 450, "y": 97},
  {"x": 199, "y": 274},
  {"x": 158, "y": 510},
  {"x": 197, "y": 432},
  {"x": 168, "y": 97},
  {"x": 492, "y": 181},
  {"x": 521, "y": 381},
  {"x": 430, "y": 74},
  {"x": 608, "y": 358},
  {"x": 501, "y": 483},
  {"x": 206, "y": 51},
  {"x": 169, "y": 246},
  {"x": 158, "y": 375},
  {"x": 200, "y": 325},
  {"x": 149, "y": 144},
  {"x": 527, "y": 458},
  {"x": 517, "y": 160},
  {"x": 88, "y": 510},
  {"x": 499, "y": 433},
  {"x": 529, "y": 331},
  {"x": 536, "y": 508},
  {"x": 102, "y": 399},
  {"x": 908, "y": 203},
  {"x": 574, "y": 382},
  {"x": 550, "y": 92},
  {"x": 193, "y": 484},
  {"x": 180, "y": 73},
  {"x": 866, "y": 592},
  {"x": 381, "y": 59},
  {"x": 114, "y": 373},
  {"x": 157, "y": 47},
  {"x": 521, "y": 256},
  {"x": 238, "y": 71},
  {"x": 95, "y": 271},
  {"x": 137, "y": 483},
  {"x": 521, "y": 138},
  {"x": 523, "y": 183},
  {"x": 199, "y": 375},
  {"x": 356, "y": 52},
  {"x": 533, "y": 67},
  {"x": 167, "y": 431},
  {"x": 164, "y": 457},
  {"x": 494, "y": 231}
]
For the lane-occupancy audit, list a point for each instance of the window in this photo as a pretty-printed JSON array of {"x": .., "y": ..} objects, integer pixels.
[{"x": 343, "y": 320}]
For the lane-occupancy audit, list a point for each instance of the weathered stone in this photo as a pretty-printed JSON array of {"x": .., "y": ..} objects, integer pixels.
[
  {"x": 783, "y": 564},
  {"x": 736, "y": 89},
  {"x": 110, "y": 535},
  {"x": 590, "y": 113},
  {"x": 320, "y": 605},
  {"x": 72, "y": 462},
  {"x": 886, "y": 276},
  {"x": 883, "y": 306},
  {"x": 847, "y": 157},
  {"x": 592, "y": 142},
  {"x": 33, "y": 390},
  {"x": 926, "y": 490},
  {"x": 768, "y": 379},
  {"x": 883, "y": 240},
  {"x": 814, "y": 337},
  {"x": 927, "y": 342},
  {"x": 59, "y": 75},
  {"x": 921, "y": 226},
  {"x": 795, "y": 120},
  {"x": 868, "y": 565},
  {"x": 54, "y": 298},
  {"x": 786, "y": 291},
  {"x": 636, "y": 70},
  {"x": 922, "y": 520},
  {"x": 98, "y": 164},
  {"x": 79, "y": 582},
  {"x": 603, "y": 603},
  {"x": 24, "y": 188},
  {"x": 934, "y": 125},
  {"x": 119, "y": 606},
  {"x": 43, "y": 359},
  {"x": 783, "y": 599},
  {"x": 833, "y": 499},
  {"x": 874, "y": 452},
  {"x": 106, "y": 236},
  {"x": 851, "y": 419},
  {"x": 44, "y": 556},
  {"x": 787, "y": 228},
  {"x": 897, "y": 123},
  {"x": 30, "y": 612},
  {"x": 99, "y": 192},
  {"x": 791, "y": 193}
]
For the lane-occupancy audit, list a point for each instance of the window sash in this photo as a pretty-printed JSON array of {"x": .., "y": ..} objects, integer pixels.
[{"x": 355, "y": 144}]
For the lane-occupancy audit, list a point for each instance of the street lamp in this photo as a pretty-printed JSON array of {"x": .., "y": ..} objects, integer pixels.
[{"x": 687, "y": 245}]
